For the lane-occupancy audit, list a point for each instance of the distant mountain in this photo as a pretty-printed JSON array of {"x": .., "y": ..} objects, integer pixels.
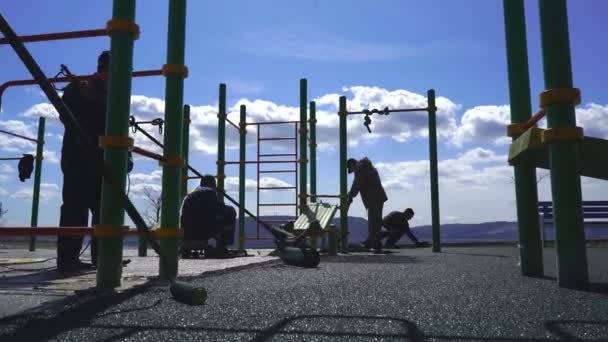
[{"x": 452, "y": 232}]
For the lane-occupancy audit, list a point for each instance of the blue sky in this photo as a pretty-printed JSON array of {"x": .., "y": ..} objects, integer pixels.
[{"x": 380, "y": 53}]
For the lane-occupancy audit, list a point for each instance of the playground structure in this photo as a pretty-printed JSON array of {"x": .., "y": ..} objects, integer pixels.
[
  {"x": 558, "y": 105},
  {"x": 562, "y": 148},
  {"x": 303, "y": 126}
]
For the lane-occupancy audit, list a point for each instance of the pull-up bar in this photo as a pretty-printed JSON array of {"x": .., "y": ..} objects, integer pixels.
[
  {"x": 19, "y": 136},
  {"x": 66, "y": 79},
  {"x": 386, "y": 111},
  {"x": 58, "y": 36}
]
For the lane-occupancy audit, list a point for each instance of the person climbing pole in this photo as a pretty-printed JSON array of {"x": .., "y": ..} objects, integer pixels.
[{"x": 367, "y": 182}]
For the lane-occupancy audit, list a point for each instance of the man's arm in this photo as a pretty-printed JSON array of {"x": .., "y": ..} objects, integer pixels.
[{"x": 354, "y": 188}]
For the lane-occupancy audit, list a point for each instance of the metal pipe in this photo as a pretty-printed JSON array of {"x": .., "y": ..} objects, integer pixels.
[
  {"x": 148, "y": 154},
  {"x": 272, "y": 123},
  {"x": 221, "y": 138},
  {"x": 257, "y": 207},
  {"x": 536, "y": 117},
  {"x": 58, "y": 231},
  {"x": 174, "y": 95},
  {"x": 434, "y": 173},
  {"x": 303, "y": 148},
  {"x": 232, "y": 123},
  {"x": 109, "y": 265},
  {"x": 279, "y": 155},
  {"x": 324, "y": 196},
  {"x": 572, "y": 268},
  {"x": 526, "y": 193},
  {"x": 66, "y": 79},
  {"x": 313, "y": 151},
  {"x": 242, "y": 156},
  {"x": 277, "y": 188},
  {"x": 342, "y": 171},
  {"x": 231, "y": 162},
  {"x": 58, "y": 36},
  {"x": 37, "y": 177},
  {"x": 277, "y": 138},
  {"x": 18, "y": 136},
  {"x": 391, "y": 111},
  {"x": 11, "y": 158}
]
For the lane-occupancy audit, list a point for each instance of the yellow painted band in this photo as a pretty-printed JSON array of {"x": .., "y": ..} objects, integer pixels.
[
  {"x": 165, "y": 232},
  {"x": 100, "y": 230},
  {"x": 515, "y": 129},
  {"x": 179, "y": 69},
  {"x": 123, "y": 25},
  {"x": 116, "y": 142},
  {"x": 552, "y": 135},
  {"x": 560, "y": 95}
]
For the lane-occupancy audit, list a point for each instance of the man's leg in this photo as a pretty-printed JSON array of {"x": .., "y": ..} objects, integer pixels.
[
  {"x": 74, "y": 213},
  {"x": 374, "y": 224}
]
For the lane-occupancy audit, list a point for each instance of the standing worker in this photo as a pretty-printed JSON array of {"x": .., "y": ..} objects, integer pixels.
[
  {"x": 82, "y": 173},
  {"x": 367, "y": 181}
]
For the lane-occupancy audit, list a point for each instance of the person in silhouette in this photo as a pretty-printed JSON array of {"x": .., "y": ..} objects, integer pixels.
[
  {"x": 397, "y": 224},
  {"x": 204, "y": 216},
  {"x": 81, "y": 167},
  {"x": 367, "y": 182}
]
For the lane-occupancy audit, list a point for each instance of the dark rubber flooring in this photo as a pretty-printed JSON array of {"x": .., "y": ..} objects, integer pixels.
[{"x": 462, "y": 294}]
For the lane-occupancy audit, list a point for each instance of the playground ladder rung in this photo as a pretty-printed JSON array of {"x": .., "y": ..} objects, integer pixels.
[
  {"x": 273, "y": 221},
  {"x": 278, "y": 155},
  {"x": 277, "y": 171},
  {"x": 276, "y": 204}
]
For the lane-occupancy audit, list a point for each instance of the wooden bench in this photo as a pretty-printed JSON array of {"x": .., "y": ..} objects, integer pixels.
[
  {"x": 315, "y": 222},
  {"x": 595, "y": 213}
]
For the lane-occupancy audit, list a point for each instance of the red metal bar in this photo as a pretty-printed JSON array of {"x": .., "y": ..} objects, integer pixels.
[
  {"x": 18, "y": 136},
  {"x": 5, "y": 85},
  {"x": 52, "y": 231},
  {"x": 11, "y": 158},
  {"x": 279, "y": 138},
  {"x": 392, "y": 111},
  {"x": 272, "y": 122},
  {"x": 277, "y": 188},
  {"x": 324, "y": 196},
  {"x": 279, "y": 155},
  {"x": 58, "y": 36},
  {"x": 148, "y": 154},
  {"x": 261, "y": 162},
  {"x": 232, "y": 123},
  {"x": 257, "y": 226},
  {"x": 534, "y": 119}
]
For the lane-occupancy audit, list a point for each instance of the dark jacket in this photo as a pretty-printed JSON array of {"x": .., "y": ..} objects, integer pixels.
[
  {"x": 201, "y": 211},
  {"x": 396, "y": 221},
  {"x": 367, "y": 182},
  {"x": 87, "y": 102}
]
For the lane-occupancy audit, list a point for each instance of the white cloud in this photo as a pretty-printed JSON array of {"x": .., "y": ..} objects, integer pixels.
[
  {"x": 45, "y": 110},
  {"x": 246, "y": 87},
  {"x": 47, "y": 192},
  {"x": 594, "y": 120},
  {"x": 475, "y": 168},
  {"x": 3, "y": 192},
  {"x": 15, "y": 144},
  {"x": 483, "y": 124}
]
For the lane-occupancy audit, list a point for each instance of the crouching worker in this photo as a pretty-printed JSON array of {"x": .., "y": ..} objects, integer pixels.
[
  {"x": 204, "y": 217},
  {"x": 396, "y": 225}
]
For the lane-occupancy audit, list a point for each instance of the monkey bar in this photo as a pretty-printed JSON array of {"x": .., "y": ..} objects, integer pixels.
[{"x": 58, "y": 36}]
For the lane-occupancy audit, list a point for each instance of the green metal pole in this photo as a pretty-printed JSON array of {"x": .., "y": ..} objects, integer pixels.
[
  {"x": 303, "y": 141},
  {"x": 172, "y": 171},
  {"x": 185, "y": 150},
  {"x": 242, "y": 165},
  {"x": 343, "y": 190},
  {"x": 37, "y": 176},
  {"x": 434, "y": 177},
  {"x": 313, "y": 150},
  {"x": 221, "y": 139},
  {"x": 563, "y": 155},
  {"x": 526, "y": 194},
  {"x": 109, "y": 263}
]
